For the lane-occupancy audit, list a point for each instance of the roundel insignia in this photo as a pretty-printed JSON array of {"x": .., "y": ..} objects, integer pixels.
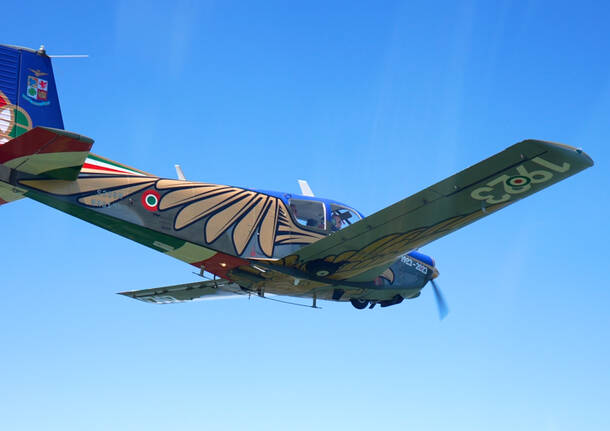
[
  {"x": 150, "y": 200},
  {"x": 14, "y": 120},
  {"x": 518, "y": 181}
]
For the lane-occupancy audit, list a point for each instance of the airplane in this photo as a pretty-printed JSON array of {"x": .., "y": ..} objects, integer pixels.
[{"x": 252, "y": 242}]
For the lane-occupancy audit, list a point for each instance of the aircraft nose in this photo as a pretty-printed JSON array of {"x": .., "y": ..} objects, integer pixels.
[{"x": 427, "y": 260}]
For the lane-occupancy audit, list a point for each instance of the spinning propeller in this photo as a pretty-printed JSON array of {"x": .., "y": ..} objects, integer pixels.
[{"x": 443, "y": 310}]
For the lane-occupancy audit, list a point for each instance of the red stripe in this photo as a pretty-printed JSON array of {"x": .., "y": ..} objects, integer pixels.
[
  {"x": 66, "y": 144},
  {"x": 2, "y": 201},
  {"x": 213, "y": 264},
  {"x": 101, "y": 168},
  {"x": 41, "y": 141}
]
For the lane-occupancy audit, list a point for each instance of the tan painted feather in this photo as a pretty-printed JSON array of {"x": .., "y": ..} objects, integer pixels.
[
  {"x": 248, "y": 225},
  {"x": 197, "y": 210},
  {"x": 222, "y": 220},
  {"x": 181, "y": 197}
]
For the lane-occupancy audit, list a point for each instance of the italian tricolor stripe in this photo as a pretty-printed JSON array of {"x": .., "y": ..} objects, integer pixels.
[{"x": 100, "y": 165}]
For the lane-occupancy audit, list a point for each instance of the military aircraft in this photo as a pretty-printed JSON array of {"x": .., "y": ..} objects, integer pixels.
[{"x": 252, "y": 242}]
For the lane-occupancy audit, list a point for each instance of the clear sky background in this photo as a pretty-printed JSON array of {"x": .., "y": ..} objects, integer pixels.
[{"x": 370, "y": 102}]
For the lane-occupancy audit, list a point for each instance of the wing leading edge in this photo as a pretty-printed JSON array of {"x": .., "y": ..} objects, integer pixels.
[{"x": 363, "y": 250}]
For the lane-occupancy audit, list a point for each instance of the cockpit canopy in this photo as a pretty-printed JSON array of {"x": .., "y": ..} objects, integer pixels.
[{"x": 329, "y": 217}]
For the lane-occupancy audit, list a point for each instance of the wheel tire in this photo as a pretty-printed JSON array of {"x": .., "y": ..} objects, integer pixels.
[
  {"x": 321, "y": 268},
  {"x": 360, "y": 304}
]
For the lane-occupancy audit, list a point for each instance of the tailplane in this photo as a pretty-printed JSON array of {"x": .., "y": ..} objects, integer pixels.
[
  {"x": 9, "y": 193},
  {"x": 47, "y": 152}
]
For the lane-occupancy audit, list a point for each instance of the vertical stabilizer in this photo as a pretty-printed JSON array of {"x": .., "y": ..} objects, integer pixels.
[
  {"x": 28, "y": 98},
  {"x": 28, "y": 95}
]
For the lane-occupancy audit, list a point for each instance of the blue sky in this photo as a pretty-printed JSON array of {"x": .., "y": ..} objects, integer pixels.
[{"x": 370, "y": 103}]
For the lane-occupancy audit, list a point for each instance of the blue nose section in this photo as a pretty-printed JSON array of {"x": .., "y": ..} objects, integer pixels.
[{"x": 422, "y": 257}]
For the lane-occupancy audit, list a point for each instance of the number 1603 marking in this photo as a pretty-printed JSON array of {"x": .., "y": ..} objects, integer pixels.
[{"x": 520, "y": 183}]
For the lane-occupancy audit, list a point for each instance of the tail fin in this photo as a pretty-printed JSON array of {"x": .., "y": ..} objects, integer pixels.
[
  {"x": 32, "y": 139},
  {"x": 28, "y": 95}
]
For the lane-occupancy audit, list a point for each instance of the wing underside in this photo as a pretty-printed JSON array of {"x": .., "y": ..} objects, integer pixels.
[{"x": 222, "y": 289}]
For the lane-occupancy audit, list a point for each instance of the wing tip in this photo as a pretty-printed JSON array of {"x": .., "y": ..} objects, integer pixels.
[{"x": 584, "y": 157}]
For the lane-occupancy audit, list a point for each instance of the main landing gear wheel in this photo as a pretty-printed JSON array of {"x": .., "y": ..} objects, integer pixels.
[{"x": 360, "y": 304}]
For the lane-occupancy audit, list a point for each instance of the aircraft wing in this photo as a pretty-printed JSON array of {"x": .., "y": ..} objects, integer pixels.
[
  {"x": 365, "y": 249},
  {"x": 209, "y": 289}
]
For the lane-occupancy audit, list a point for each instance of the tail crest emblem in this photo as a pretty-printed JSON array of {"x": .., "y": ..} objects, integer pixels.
[{"x": 37, "y": 91}]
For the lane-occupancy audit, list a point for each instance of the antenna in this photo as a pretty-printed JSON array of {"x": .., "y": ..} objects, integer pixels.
[
  {"x": 179, "y": 173},
  {"x": 314, "y": 305},
  {"x": 305, "y": 189},
  {"x": 43, "y": 51},
  {"x": 70, "y": 56}
]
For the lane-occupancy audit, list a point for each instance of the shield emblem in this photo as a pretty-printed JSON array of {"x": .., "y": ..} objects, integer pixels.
[{"x": 37, "y": 88}]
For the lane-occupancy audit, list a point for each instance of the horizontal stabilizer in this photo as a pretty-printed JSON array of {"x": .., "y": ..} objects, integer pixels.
[
  {"x": 210, "y": 289},
  {"x": 47, "y": 152},
  {"x": 9, "y": 193}
]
